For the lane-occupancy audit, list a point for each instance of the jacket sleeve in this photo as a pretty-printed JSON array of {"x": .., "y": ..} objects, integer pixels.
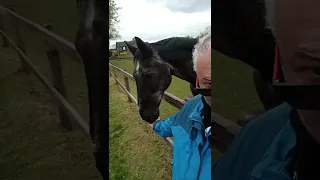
[{"x": 163, "y": 127}]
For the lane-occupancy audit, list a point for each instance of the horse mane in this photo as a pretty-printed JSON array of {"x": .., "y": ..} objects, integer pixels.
[
  {"x": 176, "y": 43},
  {"x": 175, "y": 50}
]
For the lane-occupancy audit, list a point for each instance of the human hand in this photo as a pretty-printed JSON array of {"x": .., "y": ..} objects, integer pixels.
[{"x": 152, "y": 124}]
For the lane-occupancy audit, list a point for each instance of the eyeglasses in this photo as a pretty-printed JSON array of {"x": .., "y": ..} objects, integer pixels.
[
  {"x": 298, "y": 96},
  {"x": 202, "y": 91}
]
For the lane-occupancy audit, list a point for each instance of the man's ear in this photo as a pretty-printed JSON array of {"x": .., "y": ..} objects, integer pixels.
[
  {"x": 131, "y": 48},
  {"x": 143, "y": 47}
]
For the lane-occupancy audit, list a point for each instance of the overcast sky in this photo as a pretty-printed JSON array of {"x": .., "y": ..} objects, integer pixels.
[{"x": 153, "y": 20}]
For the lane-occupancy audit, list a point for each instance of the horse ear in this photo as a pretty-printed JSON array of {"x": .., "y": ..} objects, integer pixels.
[
  {"x": 131, "y": 48},
  {"x": 143, "y": 47}
]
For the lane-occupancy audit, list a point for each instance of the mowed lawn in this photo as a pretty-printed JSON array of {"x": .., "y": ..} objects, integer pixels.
[
  {"x": 136, "y": 152},
  {"x": 178, "y": 87},
  {"x": 232, "y": 87},
  {"x": 63, "y": 15},
  {"x": 33, "y": 144}
]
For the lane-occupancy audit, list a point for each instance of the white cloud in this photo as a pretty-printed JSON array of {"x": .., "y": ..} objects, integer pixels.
[
  {"x": 187, "y": 6},
  {"x": 152, "y": 21}
]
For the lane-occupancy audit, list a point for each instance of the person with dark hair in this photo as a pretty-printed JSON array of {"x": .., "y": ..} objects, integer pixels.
[{"x": 283, "y": 143}]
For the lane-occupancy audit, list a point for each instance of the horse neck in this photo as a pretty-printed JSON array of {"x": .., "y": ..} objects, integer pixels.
[
  {"x": 91, "y": 10},
  {"x": 183, "y": 71},
  {"x": 101, "y": 9},
  {"x": 177, "y": 53}
]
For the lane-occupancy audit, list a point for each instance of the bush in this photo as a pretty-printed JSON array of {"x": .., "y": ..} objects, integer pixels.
[{"x": 123, "y": 54}]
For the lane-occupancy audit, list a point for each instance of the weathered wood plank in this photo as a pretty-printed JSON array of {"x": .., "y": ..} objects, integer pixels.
[
  {"x": 223, "y": 130},
  {"x": 61, "y": 101}
]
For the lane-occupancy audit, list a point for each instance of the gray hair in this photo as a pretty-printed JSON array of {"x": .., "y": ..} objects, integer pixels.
[{"x": 203, "y": 46}]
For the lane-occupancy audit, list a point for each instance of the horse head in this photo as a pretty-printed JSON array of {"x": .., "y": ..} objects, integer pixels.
[{"x": 152, "y": 76}]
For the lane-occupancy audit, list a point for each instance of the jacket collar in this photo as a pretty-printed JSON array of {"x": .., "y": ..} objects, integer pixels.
[{"x": 196, "y": 118}]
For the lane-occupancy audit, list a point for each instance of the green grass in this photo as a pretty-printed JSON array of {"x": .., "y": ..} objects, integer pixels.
[
  {"x": 51, "y": 153},
  {"x": 63, "y": 15},
  {"x": 178, "y": 87},
  {"x": 233, "y": 90},
  {"x": 232, "y": 96},
  {"x": 232, "y": 85},
  {"x": 136, "y": 152},
  {"x": 33, "y": 144},
  {"x": 150, "y": 160}
]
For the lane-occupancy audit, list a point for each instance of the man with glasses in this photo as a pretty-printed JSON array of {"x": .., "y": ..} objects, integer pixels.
[{"x": 190, "y": 127}]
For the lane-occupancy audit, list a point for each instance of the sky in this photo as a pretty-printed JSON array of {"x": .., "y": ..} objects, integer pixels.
[{"x": 153, "y": 20}]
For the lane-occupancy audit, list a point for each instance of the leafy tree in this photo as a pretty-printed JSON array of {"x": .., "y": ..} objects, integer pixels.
[{"x": 113, "y": 20}]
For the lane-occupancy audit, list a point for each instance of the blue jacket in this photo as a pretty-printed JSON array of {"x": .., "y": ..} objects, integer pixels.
[
  {"x": 261, "y": 151},
  {"x": 191, "y": 150}
]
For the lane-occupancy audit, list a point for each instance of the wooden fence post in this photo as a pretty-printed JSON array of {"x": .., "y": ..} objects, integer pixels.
[
  {"x": 20, "y": 43},
  {"x": 126, "y": 81},
  {"x": 5, "y": 41},
  {"x": 58, "y": 82},
  {"x": 115, "y": 75}
]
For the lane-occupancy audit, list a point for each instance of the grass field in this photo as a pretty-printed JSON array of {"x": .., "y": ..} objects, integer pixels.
[
  {"x": 233, "y": 91},
  {"x": 43, "y": 150},
  {"x": 178, "y": 87},
  {"x": 33, "y": 145},
  {"x": 136, "y": 152},
  {"x": 136, "y": 168}
]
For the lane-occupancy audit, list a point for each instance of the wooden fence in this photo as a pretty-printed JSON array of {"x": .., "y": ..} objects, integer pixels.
[
  {"x": 56, "y": 44},
  {"x": 223, "y": 131}
]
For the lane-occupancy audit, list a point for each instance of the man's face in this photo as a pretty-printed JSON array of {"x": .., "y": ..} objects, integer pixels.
[{"x": 204, "y": 73}]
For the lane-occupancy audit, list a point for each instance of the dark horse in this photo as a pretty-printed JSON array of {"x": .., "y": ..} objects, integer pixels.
[
  {"x": 92, "y": 41},
  {"x": 240, "y": 31},
  {"x": 155, "y": 63}
]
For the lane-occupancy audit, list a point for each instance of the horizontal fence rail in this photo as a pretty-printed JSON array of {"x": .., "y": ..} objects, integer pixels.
[
  {"x": 223, "y": 130},
  {"x": 130, "y": 96},
  {"x": 56, "y": 43},
  {"x": 172, "y": 99},
  {"x": 53, "y": 39},
  {"x": 63, "y": 103}
]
